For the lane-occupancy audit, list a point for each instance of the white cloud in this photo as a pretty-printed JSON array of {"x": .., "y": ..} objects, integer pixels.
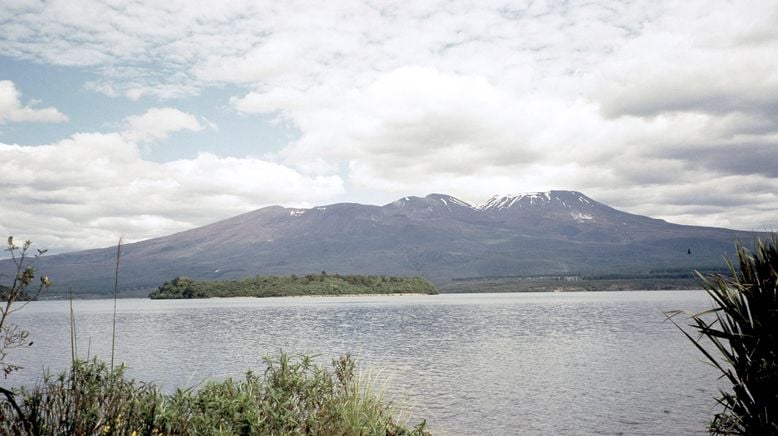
[
  {"x": 158, "y": 123},
  {"x": 407, "y": 113},
  {"x": 678, "y": 72},
  {"x": 419, "y": 130},
  {"x": 89, "y": 189},
  {"x": 634, "y": 103},
  {"x": 11, "y": 108}
]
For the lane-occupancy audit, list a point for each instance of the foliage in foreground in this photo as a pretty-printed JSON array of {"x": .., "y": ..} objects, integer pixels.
[
  {"x": 21, "y": 289},
  {"x": 294, "y": 396},
  {"x": 282, "y": 286},
  {"x": 742, "y": 328}
]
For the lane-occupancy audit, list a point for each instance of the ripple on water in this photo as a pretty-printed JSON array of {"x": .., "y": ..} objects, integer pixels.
[{"x": 589, "y": 363}]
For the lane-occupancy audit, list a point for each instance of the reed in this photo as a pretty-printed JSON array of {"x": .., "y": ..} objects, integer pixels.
[{"x": 115, "y": 294}]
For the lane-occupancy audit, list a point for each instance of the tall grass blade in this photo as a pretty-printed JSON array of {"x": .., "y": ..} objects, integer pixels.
[
  {"x": 115, "y": 292},
  {"x": 73, "y": 338}
]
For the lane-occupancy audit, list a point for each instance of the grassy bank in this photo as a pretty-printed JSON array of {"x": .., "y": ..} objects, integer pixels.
[
  {"x": 285, "y": 286},
  {"x": 292, "y": 396}
]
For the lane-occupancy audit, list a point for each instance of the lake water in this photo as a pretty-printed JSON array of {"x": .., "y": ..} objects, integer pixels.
[{"x": 564, "y": 363}]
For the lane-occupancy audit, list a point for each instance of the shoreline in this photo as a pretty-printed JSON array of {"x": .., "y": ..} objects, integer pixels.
[{"x": 396, "y": 294}]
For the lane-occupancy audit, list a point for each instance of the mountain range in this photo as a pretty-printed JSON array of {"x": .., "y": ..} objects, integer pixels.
[{"x": 439, "y": 237}]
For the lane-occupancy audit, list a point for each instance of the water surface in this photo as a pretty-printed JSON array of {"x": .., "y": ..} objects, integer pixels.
[{"x": 550, "y": 363}]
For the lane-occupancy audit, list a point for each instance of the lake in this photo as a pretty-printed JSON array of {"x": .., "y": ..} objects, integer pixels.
[{"x": 541, "y": 363}]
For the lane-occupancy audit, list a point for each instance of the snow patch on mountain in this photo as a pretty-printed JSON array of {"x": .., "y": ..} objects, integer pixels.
[
  {"x": 581, "y": 217},
  {"x": 448, "y": 201},
  {"x": 459, "y": 202},
  {"x": 402, "y": 202},
  {"x": 566, "y": 199}
]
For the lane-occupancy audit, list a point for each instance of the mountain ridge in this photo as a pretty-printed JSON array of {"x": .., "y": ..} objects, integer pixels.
[{"x": 438, "y": 237}]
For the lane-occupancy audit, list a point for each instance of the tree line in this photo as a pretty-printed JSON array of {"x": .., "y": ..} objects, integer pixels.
[{"x": 293, "y": 285}]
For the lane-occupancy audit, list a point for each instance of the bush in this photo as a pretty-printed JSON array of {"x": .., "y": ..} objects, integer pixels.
[
  {"x": 280, "y": 286},
  {"x": 21, "y": 289},
  {"x": 294, "y": 396},
  {"x": 742, "y": 329}
]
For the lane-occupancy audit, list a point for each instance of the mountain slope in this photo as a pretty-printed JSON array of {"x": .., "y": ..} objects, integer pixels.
[{"x": 438, "y": 237}]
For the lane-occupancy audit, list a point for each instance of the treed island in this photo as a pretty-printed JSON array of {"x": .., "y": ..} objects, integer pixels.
[{"x": 288, "y": 286}]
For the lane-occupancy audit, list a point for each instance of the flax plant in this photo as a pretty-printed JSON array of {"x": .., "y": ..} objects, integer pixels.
[{"x": 739, "y": 336}]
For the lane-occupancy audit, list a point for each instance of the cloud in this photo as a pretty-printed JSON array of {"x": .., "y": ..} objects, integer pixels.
[
  {"x": 715, "y": 80},
  {"x": 649, "y": 106},
  {"x": 752, "y": 159},
  {"x": 416, "y": 123},
  {"x": 11, "y": 108},
  {"x": 695, "y": 59},
  {"x": 158, "y": 123},
  {"x": 741, "y": 202},
  {"x": 417, "y": 116},
  {"x": 89, "y": 189},
  {"x": 418, "y": 130}
]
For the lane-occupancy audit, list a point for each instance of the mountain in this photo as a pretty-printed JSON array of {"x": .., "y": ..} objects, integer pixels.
[{"x": 438, "y": 237}]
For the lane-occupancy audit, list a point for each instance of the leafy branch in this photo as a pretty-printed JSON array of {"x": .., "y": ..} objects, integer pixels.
[{"x": 21, "y": 289}]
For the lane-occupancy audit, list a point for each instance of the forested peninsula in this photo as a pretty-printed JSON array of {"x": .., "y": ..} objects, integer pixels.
[{"x": 287, "y": 286}]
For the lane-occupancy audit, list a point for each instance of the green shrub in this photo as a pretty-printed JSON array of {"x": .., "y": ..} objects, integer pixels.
[
  {"x": 280, "y": 286},
  {"x": 742, "y": 330},
  {"x": 293, "y": 396}
]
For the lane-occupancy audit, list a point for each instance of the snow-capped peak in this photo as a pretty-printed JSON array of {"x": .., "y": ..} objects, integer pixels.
[
  {"x": 568, "y": 199},
  {"x": 448, "y": 200},
  {"x": 431, "y": 201}
]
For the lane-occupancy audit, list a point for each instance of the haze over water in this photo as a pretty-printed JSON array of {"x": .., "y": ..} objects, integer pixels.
[{"x": 583, "y": 363}]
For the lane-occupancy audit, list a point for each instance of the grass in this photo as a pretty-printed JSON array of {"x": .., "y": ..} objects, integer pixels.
[
  {"x": 293, "y": 396},
  {"x": 739, "y": 336}
]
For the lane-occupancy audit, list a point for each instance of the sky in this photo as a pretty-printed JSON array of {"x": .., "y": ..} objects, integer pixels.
[{"x": 144, "y": 118}]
